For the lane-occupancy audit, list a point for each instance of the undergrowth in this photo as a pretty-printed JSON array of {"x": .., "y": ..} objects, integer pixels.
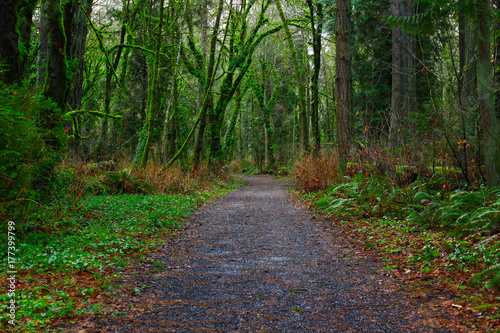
[
  {"x": 68, "y": 247},
  {"x": 447, "y": 230}
]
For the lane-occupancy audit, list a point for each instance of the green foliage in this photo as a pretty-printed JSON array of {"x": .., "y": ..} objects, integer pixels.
[
  {"x": 24, "y": 156},
  {"x": 460, "y": 214},
  {"x": 88, "y": 239},
  {"x": 491, "y": 275},
  {"x": 122, "y": 182},
  {"x": 105, "y": 226},
  {"x": 465, "y": 211}
]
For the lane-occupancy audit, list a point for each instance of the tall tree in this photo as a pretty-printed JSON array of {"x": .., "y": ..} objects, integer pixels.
[
  {"x": 240, "y": 45},
  {"x": 403, "y": 98},
  {"x": 316, "y": 29},
  {"x": 56, "y": 80},
  {"x": 489, "y": 121},
  {"x": 299, "y": 79},
  {"x": 153, "y": 90},
  {"x": 10, "y": 71},
  {"x": 26, "y": 10},
  {"x": 343, "y": 82}
]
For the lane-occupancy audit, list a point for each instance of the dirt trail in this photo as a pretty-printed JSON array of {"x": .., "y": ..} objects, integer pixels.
[{"x": 255, "y": 262}]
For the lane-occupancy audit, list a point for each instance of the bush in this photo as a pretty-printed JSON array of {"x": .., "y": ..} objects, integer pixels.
[
  {"x": 314, "y": 173},
  {"x": 25, "y": 161}
]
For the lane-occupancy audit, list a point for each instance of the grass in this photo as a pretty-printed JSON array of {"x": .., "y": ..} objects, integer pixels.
[{"x": 68, "y": 254}]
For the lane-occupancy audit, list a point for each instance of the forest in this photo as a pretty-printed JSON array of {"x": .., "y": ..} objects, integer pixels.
[{"x": 118, "y": 118}]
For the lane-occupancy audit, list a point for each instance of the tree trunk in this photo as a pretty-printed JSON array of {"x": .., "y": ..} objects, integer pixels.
[
  {"x": 76, "y": 53},
  {"x": 317, "y": 30},
  {"x": 208, "y": 97},
  {"x": 25, "y": 25},
  {"x": 56, "y": 82},
  {"x": 298, "y": 76},
  {"x": 9, "y": 39},
  {"x": 343, "y": 81},
  {"x": 42, "y": 51},
  {"x": 397, "y": 96},
  {"x": 403, "y": 99},
  {"x": 497, "y": 62},
  {"x": 229, "y": 136},
  {"x": 489, "y": 120},
  {"x": 409, "y": 64},
  {"x": 143, "y": 148}
]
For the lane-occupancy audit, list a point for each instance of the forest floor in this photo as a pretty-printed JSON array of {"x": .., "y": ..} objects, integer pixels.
[{"x": 255, "y": 261}]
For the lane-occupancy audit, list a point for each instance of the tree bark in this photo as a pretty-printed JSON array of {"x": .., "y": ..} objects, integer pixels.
[
  {"x": 207, "y": 83},
  {"x": 343, "y": 82},
  {"x": 9, "y": 39},
  {"x": 397, "y": 96},
  {"x": 317, "y": 30},
  {"x": 25, "y": 25},
  {"x": 489, "y": 120},
  {"x": 298, "y": 75},
  {"x": 56, "y": 82},
  {"x": 143, "y": 148}
]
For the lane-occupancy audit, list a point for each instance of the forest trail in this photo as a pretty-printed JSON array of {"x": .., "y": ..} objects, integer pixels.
[{"x": 253, "y": 261}]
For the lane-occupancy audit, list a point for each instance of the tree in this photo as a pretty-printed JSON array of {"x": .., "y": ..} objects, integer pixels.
[
  {"x": 56, "y": 80},
  {"x": 489, "y": 119},
  {"x": 343, "y": 83},
  {"x": 317, "y": 30},
  {"x": 153, "y": 105},
  {"x": 9, "y": 42},
  {"x": 298, "y": 76},
  {"x": 240, "y": 47},
  {"x": 403, "y": 76}
]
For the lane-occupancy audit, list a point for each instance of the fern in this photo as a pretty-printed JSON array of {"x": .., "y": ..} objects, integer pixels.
[
  {"x": 483, "y": 219},
  {"x": 340, "y": 205},
  {"x": 490, "y": 277}
]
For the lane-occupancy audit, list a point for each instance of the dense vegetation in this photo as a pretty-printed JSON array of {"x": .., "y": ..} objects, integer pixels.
[{"x": 122, "y": 113}]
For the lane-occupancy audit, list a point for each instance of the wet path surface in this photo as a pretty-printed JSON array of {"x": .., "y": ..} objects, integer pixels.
[{"x": 255, "y": 262}]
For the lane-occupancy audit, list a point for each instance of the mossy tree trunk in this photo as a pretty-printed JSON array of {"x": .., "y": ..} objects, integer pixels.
[
  {"x": 316, "y": 29},
  {"x": 299, "y": 79},
  {"x": 142, "y": 152},
  {"x": 25, "y": 26},
  {"x": 55, "y": 89},
  {"x": 266, "y": 102},
  {"x": 56, "y": 81},
  {"x": 489, "y": 119},
  {"x": 9, "y": 42}
]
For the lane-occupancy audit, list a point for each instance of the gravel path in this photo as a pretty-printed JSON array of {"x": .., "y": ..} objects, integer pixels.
[{"x": 255, "y": 262}]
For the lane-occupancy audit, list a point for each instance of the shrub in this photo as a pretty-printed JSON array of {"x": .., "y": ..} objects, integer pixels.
[
  {"x": 25, "y": 161},
  {"x": 316, "y": 172}
]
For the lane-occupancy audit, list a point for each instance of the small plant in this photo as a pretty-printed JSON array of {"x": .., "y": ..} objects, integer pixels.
[{"x": 491, "y": 275}]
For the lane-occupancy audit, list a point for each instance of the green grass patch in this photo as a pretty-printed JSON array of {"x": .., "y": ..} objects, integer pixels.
[{"x": 66, "y": 259}]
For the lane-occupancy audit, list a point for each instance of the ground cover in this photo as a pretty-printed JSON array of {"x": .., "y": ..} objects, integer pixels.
[
  {"x": 435, "y": 238},
  {"x": 69, "y": 254}
]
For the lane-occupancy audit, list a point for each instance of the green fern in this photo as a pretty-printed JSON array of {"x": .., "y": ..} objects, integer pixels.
[{"x": 489, "y": 277}]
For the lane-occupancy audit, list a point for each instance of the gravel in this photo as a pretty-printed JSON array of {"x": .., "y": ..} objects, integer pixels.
[{"x": 254, "y": 261}]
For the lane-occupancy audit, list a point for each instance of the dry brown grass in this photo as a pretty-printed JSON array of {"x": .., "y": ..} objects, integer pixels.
[
  {"x": 163, "y": 180},
  {"x": 316, "y": 172}
]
